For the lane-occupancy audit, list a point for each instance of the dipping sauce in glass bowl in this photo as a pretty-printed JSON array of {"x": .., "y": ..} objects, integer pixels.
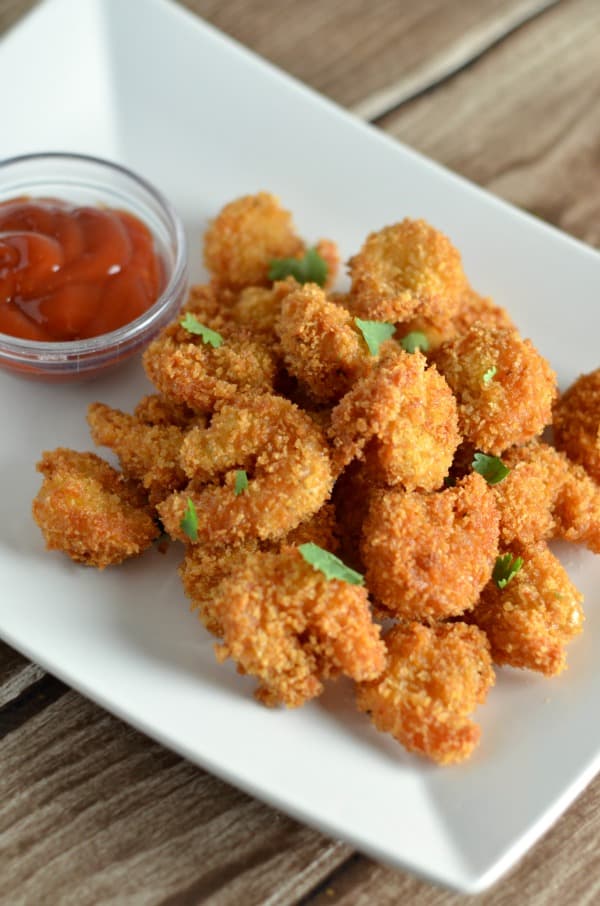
[{"x": 92, "y": 265}]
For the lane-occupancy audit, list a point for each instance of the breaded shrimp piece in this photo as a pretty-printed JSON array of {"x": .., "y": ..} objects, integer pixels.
[
  {"x": 577, "y": 422},
  {"x": 243, "y": 239},
  {"x": 410, "y": 413},
  {"x": 205, "y": 566},
  {"x": 322, "y": 347},
  {"x": 211, "y": 304},
  {"x": 351, "y": 495},
  {"x": 148, "y": 453},
  {"x": 428, "y": 556},
  {"x": 287, "y": 462},
  {"x": 257, "y": 308},
  {"x": 330, "y": 254},
  {"x": 155, "y": 409},
  {"x": 406, "y": 270},
  {"x": 527, "y": 496},
  {"x": 531, "y": 619},
  {"x": 196, "y": 375},
  {"x": 87, "y": 510},
  {"x": 321, "y": 529},
  {"x": 291, "y": 627},
  {"x": 475, "y": 308},
  {"x": 202, "y": 570},
  {"x": 501, "y": 407},
  {"x": 547, "y": 496},
  {"x": 435, "y": 677},
  {"x": 577, "y": 508}
]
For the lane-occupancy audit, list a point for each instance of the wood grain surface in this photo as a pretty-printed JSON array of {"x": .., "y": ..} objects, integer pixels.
[{"x": 506, "y": 92}]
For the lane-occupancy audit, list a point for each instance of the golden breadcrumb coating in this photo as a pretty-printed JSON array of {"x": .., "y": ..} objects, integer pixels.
[
  {"x": 527, "y": 496},
  {"x": 206, "y": 565},
  {"x": 530, "y": 621},
  {"x": 243, "y": 239},
  {"x": 410, "y": 413},
  {"x": 577, "y": 508},
  {"x": 473, "y": 309},
  {"x": 481, "y": 310},
  {"x": 257, "y": 308},
  {"x": 322, "y": 347},
  {"x": 321, "y": 529},
  {"x": 330, "y": 254},
  {"x": 197, "y": 375},
  {"x": 547, "y": 496},
  {"x": 428, "y": 556},
  {"x": 352, "y": 497},
  {"x": 148, "y": 453},
  {"x": 577, "y": 422},
  {"x": 155, "y": 409},
  {"x": 87, "y": 510},
  {"x": 291, "y": 627},
  {"x": 406, "y": 270},
  {"x": 287, "y": 462},
  {"x": 202, "y": 570},
  {"x": 435, "y": 677},
  {"x": 510, "y": 405}
]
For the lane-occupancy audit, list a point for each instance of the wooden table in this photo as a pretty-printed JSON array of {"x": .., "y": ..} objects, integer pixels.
[{"x": 507, "y": 93}]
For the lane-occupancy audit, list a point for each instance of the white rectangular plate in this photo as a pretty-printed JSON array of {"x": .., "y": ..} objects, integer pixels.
[{"x": 147, "y": 84}]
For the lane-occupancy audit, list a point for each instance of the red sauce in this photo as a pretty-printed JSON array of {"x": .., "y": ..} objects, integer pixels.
[{"x": 68, "y": 273}]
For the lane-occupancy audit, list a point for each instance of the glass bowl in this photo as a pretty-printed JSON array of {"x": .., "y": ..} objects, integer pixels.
[{"x": 85, "y": 180}]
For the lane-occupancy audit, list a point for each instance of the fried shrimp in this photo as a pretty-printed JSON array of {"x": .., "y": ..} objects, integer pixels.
[
  {"x": 428, "y": 556},
  {"x": 287, "y": 462},
  {"x": 435, "y": 677},
  {"x": 547, "y": 496},
  {"x": 155, "y": 409},
  {"x": 87, "y": 510},
  {"x": 289, "y": 626},
  {"x": 504, "y": 387},
  {"x": 246, "y": 235},
  {"x": 406, "y": 270},
  {"x": 192, "y": 373},
  {"x": 148, "y": 453},
  {"x": 205, "y": 566},
  {"x": 322, "y": 347},
  {"x": 409, "y": 413},
  {"x": 257, "y": 308},
  {"x": 530, "y": 621},
  {"x": 577, "y": 422}
]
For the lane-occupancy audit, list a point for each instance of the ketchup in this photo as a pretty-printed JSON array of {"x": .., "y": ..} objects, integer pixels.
[{"x": 69, "y": 273}]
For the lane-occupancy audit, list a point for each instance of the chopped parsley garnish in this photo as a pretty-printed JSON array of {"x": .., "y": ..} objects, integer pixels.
[
  {"x": 505, "y": 569},
  {"x": 310, "y": 269},
  {"x": 414, "y": 340},
  {"x": 490, "y": 467},
  {"x": 375, "y": 333},
  {"x": 189, "y": 523},
  {"x": 241, "y": 482},
  {"x": 328, "y": 564},
  {"x": 191, "y": 323},
  {"x": 488, "y": 376}
]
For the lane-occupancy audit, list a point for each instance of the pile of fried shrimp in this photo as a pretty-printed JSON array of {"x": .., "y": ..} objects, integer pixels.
[{"x": 277, "y": 428}]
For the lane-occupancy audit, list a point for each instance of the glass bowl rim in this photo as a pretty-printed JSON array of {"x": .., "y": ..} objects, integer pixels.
[{"x": 54, "y": 349}]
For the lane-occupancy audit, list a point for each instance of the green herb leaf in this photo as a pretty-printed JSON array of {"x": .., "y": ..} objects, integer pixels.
[
  {"x": 310, "y": 269},
  {"x": 488, "y": 375},
  {"x": 191, "y": 323},
  {"x": 505, "y": 569},
  {"x": 241, "y": 482},
  {"x": 491, "y": 467},
  {"x": 328, "y": 564},
  {"x": 375, "y": 333},
  {"x": 414, "y": 340},
  {"x": 189, "y": 523}
]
